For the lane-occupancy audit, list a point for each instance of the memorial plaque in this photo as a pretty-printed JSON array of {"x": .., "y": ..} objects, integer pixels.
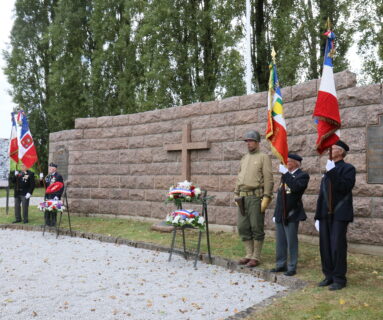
[
  {"x": 375, "y": 152},
  {"x": 60, "y": 157},
  {"x": 4, "y": 162}
]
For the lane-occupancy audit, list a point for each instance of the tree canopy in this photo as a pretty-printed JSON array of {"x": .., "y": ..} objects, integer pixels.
[{"x": 85, "y": 58}]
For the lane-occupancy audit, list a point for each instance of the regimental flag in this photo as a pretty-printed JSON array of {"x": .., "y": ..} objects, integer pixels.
[
  {"x": 326, "y": 112},
  {"x": 276, "y": 126},
  {"x": 27, "y": 150},
  {"x": 13, "y": 144}
]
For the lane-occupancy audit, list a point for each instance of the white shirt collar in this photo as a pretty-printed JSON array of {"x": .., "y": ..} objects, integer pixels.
[{"x": 294, "y": 171}]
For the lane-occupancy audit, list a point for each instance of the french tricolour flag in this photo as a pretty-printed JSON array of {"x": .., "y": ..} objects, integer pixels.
[
  {"x": 326, "y": 110},
  {"x": 13, "y": 144},
  {"x": 27, "y": 150}
]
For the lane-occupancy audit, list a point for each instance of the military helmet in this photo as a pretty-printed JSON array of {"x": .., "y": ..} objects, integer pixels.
[{"x": 252, "y": 135}]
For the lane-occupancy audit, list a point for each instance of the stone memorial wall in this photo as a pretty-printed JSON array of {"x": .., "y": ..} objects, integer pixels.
[{"x": 124, "y": 165}]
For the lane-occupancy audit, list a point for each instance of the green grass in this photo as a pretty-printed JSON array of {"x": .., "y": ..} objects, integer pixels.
[
  {"x": 38, "y": 192},
  {"x": 360, "y": 300}
]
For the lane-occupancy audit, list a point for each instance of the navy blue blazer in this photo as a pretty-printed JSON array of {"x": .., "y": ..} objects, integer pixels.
[
  {"x": 342, "y": 178},
  {"x": 296, "y": 185}
]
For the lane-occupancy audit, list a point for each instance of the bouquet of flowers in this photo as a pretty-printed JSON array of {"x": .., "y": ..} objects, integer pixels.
[
  {"x": 51, "y": 206},
  {"x": 183, "y": 191},
  {"x": 181, "y": 218}
]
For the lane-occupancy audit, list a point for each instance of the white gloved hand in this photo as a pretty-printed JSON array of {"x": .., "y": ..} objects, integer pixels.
[
  {"x": 274, "y": 219},
  {"x": 330, "y": 165},
  {"x": 282, "y": 169},
  {"x": 16, "y": 172},
  {"x": 41, "y": 175},
  {"x": 27, "y": 196},
  {"x": 317, "y": 225}
]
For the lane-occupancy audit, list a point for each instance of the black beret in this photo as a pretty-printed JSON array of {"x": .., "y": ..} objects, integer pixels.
[
  {"x": 295, "y": 157},
  {"x": 53, "y": 165},
  {"x": 343, "y": 145}
]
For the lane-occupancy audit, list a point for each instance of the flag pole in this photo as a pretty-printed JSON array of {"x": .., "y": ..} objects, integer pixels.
[
  {"x": 283, "y": 187},
  {"x": 330, "y": 209}
]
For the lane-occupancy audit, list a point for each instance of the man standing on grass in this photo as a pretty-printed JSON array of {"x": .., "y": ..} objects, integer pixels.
[
  {"x": 255, "y": 189},
  {"x": 24, "y": 182},
  {"x": 52, "y": 178},
  {"x": 289, "y": 207},
  {"x": 333, "y": 214}
]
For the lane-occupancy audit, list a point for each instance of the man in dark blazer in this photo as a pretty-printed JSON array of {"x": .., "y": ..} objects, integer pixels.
[
  {"x": 52, "y": 177},
  {"x": 334, "y": 212},
  {"x": 287, "y": 214},
  {"x": 24, "y": 182}
]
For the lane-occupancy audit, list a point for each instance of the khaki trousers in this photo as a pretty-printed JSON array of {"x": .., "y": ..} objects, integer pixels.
[{"x": 251, "y": 226}]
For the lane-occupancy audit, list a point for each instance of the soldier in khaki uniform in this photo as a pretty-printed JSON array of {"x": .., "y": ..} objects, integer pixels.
[{"x": 255, "y": 184}]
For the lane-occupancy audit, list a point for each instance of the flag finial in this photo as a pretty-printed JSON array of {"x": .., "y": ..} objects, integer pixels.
[
  {"x": 273, "y": 54},
  {"x": 328, "y": 24}
]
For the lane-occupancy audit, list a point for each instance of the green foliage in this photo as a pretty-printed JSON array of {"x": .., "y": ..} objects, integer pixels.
[
  {"x": 369, "y": 23},
  {"x": 71, "y": 59}
]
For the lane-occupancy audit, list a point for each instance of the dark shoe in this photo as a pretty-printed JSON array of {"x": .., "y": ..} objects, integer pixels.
[
  {"x": 290, "y": 273},
  {"x": 16, "y": 221},
  {"x": 278, "y": 269},
  {"x": 252, "y": 263},
  {"x": 25, "y": 221},
  {"x": 243, "y": 261},
  {"x": 336, "y": 286},
  {"x": 325, "y": 283}
]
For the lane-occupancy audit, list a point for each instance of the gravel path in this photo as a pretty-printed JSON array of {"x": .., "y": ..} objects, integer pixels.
[
  {"x": 33, "y": 202},
  {"x": 73, "y": 278}
]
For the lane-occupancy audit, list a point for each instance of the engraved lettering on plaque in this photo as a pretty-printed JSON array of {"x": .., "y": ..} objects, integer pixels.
[
  {"x": 375, "y": 152},
  {"x": 60, "y": 157}
]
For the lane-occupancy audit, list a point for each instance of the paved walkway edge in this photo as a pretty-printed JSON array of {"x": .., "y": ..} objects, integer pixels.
[{"x": 291, "y": 283}]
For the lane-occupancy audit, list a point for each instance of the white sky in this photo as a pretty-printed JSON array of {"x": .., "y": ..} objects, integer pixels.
[{"x": 6, "y": 104}]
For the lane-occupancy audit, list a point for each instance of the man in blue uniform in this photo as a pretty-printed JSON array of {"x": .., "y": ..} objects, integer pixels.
[
  {"x": 334, "y": 212},
  {"x": 288, "y": 212},
  {"x": 52, "y": 177},
  {"x": 24, "y": 182}
]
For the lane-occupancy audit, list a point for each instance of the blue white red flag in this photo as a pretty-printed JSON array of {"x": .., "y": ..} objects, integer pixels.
[
  {"x": 27, "y": 150},
  {"x": 13, "y": 144},
  {"x": 326, "y": 110}
]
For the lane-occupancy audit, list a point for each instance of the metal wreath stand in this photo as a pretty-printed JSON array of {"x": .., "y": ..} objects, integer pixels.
[
  {"x": 66, "y": 204},
  {"x": 204, "y": 201}
]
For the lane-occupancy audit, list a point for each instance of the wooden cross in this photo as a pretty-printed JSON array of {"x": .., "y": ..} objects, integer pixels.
[{"x": 185, "y": 147}]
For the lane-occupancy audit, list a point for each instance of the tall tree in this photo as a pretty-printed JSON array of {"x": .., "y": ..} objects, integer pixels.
[
  {"x": 369, "y": 24},
  {"x": 69, "y": 76},
  {"x": 28, "y": 65}
]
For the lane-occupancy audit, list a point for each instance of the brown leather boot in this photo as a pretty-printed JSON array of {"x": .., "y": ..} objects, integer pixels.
[
  {"x": 249, "y": 248},
  {"x": 257, "y": 250},
  {"x": 252, "y": 263}
]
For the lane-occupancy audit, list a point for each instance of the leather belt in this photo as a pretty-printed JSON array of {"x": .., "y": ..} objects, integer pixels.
[{"x": 255, "y": 192}]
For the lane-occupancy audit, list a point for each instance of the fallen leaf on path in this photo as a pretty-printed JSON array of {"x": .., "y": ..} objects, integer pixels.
[{"x": 341, "y": 301}]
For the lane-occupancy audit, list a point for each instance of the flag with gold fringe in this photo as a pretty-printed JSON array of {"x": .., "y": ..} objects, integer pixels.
[
  {"x": 326, "y": 112},
  {"x": 276, "y": 126}
]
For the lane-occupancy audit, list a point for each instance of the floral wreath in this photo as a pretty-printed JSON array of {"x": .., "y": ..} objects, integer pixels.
[
  {"x": 182, "y": 218},
  {"x": 183, "y": 191},
  {"x": 51, "y": 206}
]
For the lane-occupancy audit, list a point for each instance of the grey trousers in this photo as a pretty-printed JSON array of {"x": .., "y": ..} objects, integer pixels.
[
  {"x": 21, "y": 200},
  {"x": 287, "y": 244}
]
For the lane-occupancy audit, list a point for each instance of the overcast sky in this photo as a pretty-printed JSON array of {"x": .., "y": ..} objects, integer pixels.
[{"x": 6, "y": 104}]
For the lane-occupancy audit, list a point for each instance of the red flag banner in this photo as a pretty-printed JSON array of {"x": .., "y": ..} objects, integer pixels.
[
  {"x": 276, "y": 126},
  {"x": 27, "y": 150}
]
